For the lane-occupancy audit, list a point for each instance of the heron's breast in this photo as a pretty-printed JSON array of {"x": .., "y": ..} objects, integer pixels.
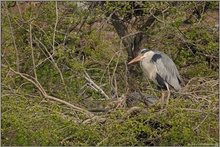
[{"x": 149, "y": 70}]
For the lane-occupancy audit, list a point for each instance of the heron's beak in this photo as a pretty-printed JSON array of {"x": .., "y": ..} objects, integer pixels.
[{"x": 136, "y": 59}]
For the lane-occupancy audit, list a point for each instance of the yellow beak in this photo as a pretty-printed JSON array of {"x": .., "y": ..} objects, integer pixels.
[{"x": 135, "y": 59}]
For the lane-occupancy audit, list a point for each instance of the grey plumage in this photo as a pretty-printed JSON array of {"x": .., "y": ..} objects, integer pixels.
[
  {"x": 159, "y": 68},
  {"x": 167, "y": 70}
]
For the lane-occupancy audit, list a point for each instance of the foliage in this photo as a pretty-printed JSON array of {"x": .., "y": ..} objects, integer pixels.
[{"x": 65, "y": 77}]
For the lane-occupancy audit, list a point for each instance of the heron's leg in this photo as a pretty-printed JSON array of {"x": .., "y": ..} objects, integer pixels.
[
  {"x": 162, "y": 99},
  {"x": 168, "y": 96}
]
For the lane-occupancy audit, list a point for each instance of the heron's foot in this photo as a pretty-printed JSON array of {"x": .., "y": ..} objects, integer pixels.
[
  {"x": 161, "y": 103},
  {"x": 164, "y": 103},
  {"x": 167, "y": 101}
]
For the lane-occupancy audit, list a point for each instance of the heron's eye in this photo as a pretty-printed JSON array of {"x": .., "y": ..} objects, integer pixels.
[{"x": 144, "y": 51}]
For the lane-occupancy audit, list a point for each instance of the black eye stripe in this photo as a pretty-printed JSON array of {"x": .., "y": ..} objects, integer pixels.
[{"x": 144, "y": 51}]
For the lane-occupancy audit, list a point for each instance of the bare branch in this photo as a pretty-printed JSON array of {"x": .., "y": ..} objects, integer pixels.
[
  {"x": 162, "y": 21},
  {"x": 55, "y": 28},
  {"x": 50, "y": 56},
  {"x": 43, "y": 92},
  {"x": 13, "y": 39},
  {"x": 87, "y": 77},
  {"x": 201, "y": 122},
  {"x": 32, "y": 51}
]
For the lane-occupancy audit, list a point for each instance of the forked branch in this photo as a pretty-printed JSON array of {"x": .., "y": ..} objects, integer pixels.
[{"x": 43, "y": 92}]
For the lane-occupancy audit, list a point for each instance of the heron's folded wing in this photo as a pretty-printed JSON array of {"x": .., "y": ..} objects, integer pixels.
[{"x": 166, "y": 69}]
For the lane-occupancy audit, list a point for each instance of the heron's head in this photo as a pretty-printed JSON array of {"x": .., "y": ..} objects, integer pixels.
[{"x": 141, "y": 55}]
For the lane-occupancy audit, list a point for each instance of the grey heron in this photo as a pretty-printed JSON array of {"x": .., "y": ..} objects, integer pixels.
[{"x": 159, "y": 68}]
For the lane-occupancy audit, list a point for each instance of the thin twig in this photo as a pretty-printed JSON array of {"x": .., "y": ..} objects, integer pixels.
[
  {"x": 55, "y": 28},
  {"x": 87, "y": 77},
  {"x": 201, "y": 122},
  {"x": 108, "y": 66},
  {"x": 50, "y": 56},
  {"x": 102, "y": 141},
  {"x": 32, "y": 52},
  {"x": 162, "y": 21},
  {"x": 43, "y": 92},
  {"x": 67, "y": 138},
  {"x": 13, "y": 39},
  {"x": 114, "y": 76}
]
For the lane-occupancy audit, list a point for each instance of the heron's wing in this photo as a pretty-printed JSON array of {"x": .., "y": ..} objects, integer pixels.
[{"x": 166, "y": 69}]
